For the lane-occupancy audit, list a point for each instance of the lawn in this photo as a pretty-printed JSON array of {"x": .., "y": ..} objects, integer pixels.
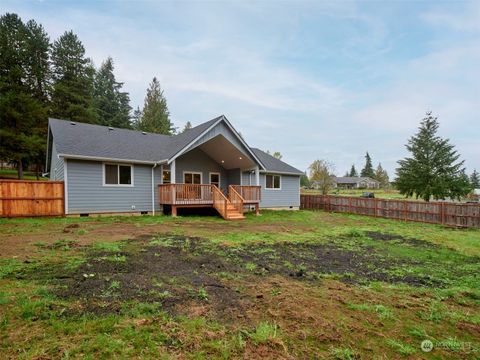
[
  {"x": 379, "y": 193},
  {"x": 282, "y": 285},
  {"x": 12, "y": 174}
]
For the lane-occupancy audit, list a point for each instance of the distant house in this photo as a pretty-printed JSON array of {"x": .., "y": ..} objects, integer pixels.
[
  {"x": 110, "y": 170},
  {"x": 356, "y": 182}
]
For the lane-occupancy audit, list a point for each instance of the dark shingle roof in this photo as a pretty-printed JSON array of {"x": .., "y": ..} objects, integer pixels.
[
  {"x": 113, "y": 143},
  {"x": 274, "y": 164},
  {"x": 102, "y": 142}
]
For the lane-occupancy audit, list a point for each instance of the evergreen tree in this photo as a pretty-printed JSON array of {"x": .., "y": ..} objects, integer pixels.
[
  {"x": 137, "y": 118},
  {"x": 188, "y": 126},
  {"x": 23, "y": 99},
  {"x": 38, "y": 80},
  {"x": 367, "y": 170},
  {"x": 381, "y": 176},
  {"x": 433, "y": 170},
  {"x": 111, "y": 104},
  {"x": 73, "y": 75},
  {"x": 353, "y": 172},
  {"x": 475, "y": 180},
  {"x": 155, "y": 114}
]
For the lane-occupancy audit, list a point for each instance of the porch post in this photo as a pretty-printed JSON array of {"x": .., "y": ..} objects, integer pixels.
[
  {"x": 257, "y": 176},
  {"x": 172, "y": 173}
]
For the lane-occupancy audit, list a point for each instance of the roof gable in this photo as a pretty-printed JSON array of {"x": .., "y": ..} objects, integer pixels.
[{"x": 273, "y": 164}]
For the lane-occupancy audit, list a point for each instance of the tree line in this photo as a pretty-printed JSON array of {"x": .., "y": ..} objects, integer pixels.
[
  {"x": 40, "y": 79},
  {"x": 432, "y": 171}
]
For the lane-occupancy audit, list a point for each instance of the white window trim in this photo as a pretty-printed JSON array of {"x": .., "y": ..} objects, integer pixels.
[
  {"x": 276, "y": 189},
  {"x": 118, "y": 167},
  {"x": 193, "y": 172},
  {"x": 219, "y": 178}
]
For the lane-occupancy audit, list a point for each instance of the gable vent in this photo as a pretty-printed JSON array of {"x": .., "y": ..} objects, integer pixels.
[
  {"x": 73, "y": 123},
  {"x": 110, "y": 128},
  {"x": 144, "y": 133}
]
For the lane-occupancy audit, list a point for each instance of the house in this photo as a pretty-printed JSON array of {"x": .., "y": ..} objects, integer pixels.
[
  {"x": 356, "y": 182},
  {"x": 110, "y": 170}
]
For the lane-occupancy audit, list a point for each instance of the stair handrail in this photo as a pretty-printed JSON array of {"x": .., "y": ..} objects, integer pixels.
[
  {"x": 220, "y": 201},
  {"x": 235, "y": 199}
]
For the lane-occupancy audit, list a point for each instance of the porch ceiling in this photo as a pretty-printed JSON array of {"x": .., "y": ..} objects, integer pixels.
[{"x": 226, "y": 154}]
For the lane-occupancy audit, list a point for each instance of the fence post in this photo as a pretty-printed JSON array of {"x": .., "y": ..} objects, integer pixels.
[
  {"x": 442, "y": 212},
  {"x": 349, "y": 204},
  {"x": 405, "y": 212}
]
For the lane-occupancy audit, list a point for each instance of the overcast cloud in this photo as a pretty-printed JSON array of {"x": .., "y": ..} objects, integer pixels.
[{"x": 327, "y": 80}]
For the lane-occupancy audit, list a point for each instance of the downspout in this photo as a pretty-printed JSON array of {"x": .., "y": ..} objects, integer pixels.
[{"x": 153, "y": 188}]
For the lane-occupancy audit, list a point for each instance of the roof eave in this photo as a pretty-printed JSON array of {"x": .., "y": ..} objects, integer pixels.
[{"x": 99, "y": 158}]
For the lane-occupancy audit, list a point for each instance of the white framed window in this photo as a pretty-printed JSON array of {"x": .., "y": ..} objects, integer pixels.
[
  {"x": 117, "y": 175},
  {"x": 215, "y": 179},
  {"x": 273, "y": 182},
  {"x": 192, "y": 177},
  {"x": 166, "y": 177}
]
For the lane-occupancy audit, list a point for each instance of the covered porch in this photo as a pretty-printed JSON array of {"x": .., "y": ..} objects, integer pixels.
[{"x": 209, "y": 174}]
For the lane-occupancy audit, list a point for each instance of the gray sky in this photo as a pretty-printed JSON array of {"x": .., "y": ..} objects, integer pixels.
[{"x": 312, "y": 80}]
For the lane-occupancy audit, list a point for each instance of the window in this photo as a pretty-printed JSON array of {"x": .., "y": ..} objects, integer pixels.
[
  {"x": 192, "y": 178},
  {"x": 118, "y": 174},
  {"x": 272, "y": 181},
  {"x": 166, "y": 177},
  {"x": 215, "y": 179}
]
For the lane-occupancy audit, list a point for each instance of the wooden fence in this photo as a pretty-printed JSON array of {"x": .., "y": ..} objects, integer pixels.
[
  {"x": 445, "y": 213},
  {"x": 31, "y": 198}
]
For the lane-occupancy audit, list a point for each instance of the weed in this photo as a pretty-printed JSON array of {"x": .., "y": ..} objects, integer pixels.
[
  {"x": 82, "y": 232},
  {"x": 64, "y": 244},
  {"x": 114, "y": 285},
  {"x": 264, "y": 332},
  {"x": 250, "y": 266},
  {"x": 382, "y": 311},
  {"x": 202, "y": 294},
  {"x": 401, "y": 348},
  {"x": 343, "y": 353}
]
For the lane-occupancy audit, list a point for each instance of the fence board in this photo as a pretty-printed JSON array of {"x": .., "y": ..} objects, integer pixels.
[
  {"x": 31, "y": 198},
  {"x": 450, "y": 214}
]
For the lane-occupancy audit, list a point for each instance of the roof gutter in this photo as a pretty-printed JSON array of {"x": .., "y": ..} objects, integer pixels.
[{"x": 99, "y": 158}]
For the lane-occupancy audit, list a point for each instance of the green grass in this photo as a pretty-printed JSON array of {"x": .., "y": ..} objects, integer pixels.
[
  {"x": 13, "y": 174},
  {"x": 329, "y": 316}
]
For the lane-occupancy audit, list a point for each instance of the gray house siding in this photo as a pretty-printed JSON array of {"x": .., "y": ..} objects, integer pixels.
[
  {"x": 233, "y": 177},
  {"x": 57, "y": 165},
  {"x": 288, "y": 195},
  {"x": 198, "y": 161},
  {"x": 87, "y": 194}
]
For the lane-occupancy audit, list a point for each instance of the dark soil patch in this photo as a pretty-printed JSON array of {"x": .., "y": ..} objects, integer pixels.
[
  {"x": 401, "y": 240},
  {"x": 311, "y": 261},
  {"x": 172, "y": 275},
  {"x": 180, "y": 272}
]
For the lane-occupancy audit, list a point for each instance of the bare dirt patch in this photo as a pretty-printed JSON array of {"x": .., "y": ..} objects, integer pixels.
[
  {"x": 400, "y": 239},
  {"x": 182, "y": 273}
]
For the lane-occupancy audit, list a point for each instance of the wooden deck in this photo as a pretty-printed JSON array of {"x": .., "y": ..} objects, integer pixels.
[{"x": 229, "y": 206}]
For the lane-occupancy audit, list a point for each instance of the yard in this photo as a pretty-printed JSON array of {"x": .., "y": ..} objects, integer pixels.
[
  {"x": 283, "y": 285},
  {"x": 379, "y": 193}
]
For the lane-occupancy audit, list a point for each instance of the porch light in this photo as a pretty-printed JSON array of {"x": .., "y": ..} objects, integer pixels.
[
  {"x": 240, "y": 157},
  {"x": 223, "y": 161}
]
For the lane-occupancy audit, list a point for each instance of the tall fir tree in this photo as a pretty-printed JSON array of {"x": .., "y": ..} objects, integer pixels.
[
  {"x": 367, "y": 170},
  {"x": 433, "y": 170},
  {"x": 155, "y": 115},
  {"x": 111, "y": 104},
  {"x": 381, "y": 176},
  {"x": 475, "y": 180},
  {"x": 23, "y": 98},
  {"x": 353, "y": 172},
  {"x": 187, "y": 126},
  {"x": 73, "y": 75}
]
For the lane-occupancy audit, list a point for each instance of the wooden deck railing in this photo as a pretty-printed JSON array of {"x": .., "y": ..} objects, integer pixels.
[
  {"x": 220, "y": 202},
  {"x": 185, "y": 194},
  {"x": 250, "y": 193},
  {"x": 199, "y": 194},
  {"x": 235, "y": 199}
]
